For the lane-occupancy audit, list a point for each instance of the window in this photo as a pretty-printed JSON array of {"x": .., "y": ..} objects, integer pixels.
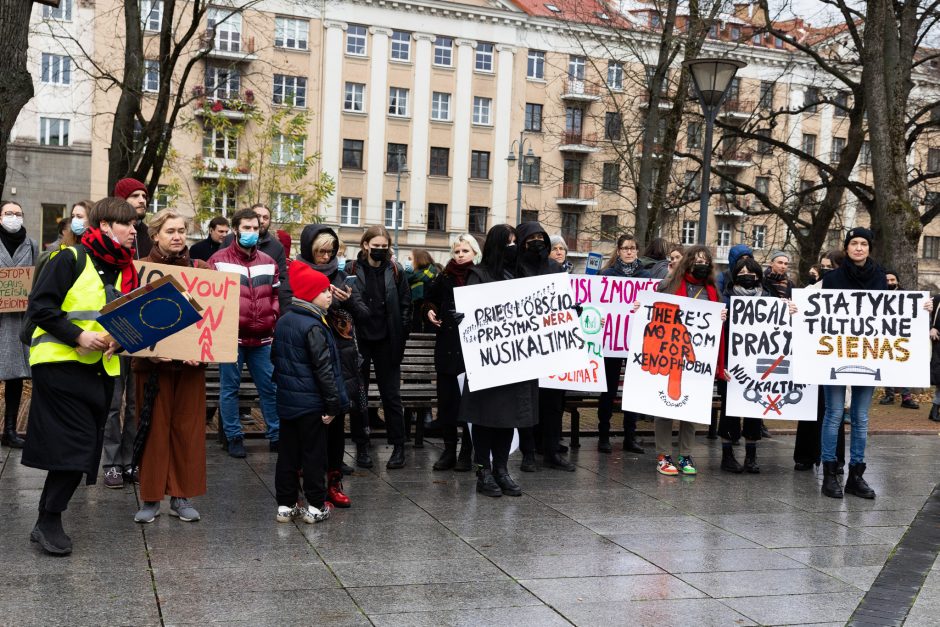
[
  {"x": 809, "y": 144},
  {"x": 395, "y": 157},
  {"x": 349, "y": 211},
  {"x": 356, "y": 35},
  {"x": 479, "y": 164},
  {"x": 778, "y": 43},
  {"x": 481, "y": 110},
  {"x": 398, "y": 101},
  {"x": 838, "y": 145},
  {"x": 615, "y": 75},
  {"x": 931, "y": 247},
  {"x": 841, "y": 104},
  {"x": 762, "y": 184},
  {"x": 286, "y": 208},
  {"x": 401, "y": 45},
  {"x": 223, "y": 199},
  {"x": 613, "y": 125},
  {"x": 713, "y": 31},
  {"x": 352, "y": 154},
  {"x": 443, "y": 51},
  {"x": 735, "y": 33},
  {"x": 160, "y": 200},
  {"x": 807, "y": 191},
  {"x": 440, "y": 106},
  {"x": 694, "y": 135},
  {"x": 811, "y": 99},
  {"x": 933, "y": 160},
  {"x": 355, "y": 98},
  {"x": 533, "y": 117},
  {"x": 690, "y": 183},
  {"x": 290, "y": 90},
  {"x": 574, "y": 122},
  {"x": 220, "y": 144},
  {"x": 758, "y": 236},
  {"x": 764, "y": 147},
  {"x": 56, "y": 69},
  {"x": 529, "y": 215},
  {"x": 609, "y": 228},
  {"x": 576, "y": 67},
  {"x": 63, "y": 12},
  {"x": 664, "y": 87},
  {"x": 440, "y": 162},
  {"x": 394, "y": 211},
  {"x": 286, "y": 150},
  {"x": 689, "y": 232},
  {"x": 222, "y": 82},
  {"x": 611, "y": 179},
  {"x": 756, "y": 39},
  {"x": 477, "y": 219},
  {"x": 483, "y": 61},
  {"x": 656, "y": 20},
  {"x": 535, "y": 67},
  {"x": 227, "y": 26},
  {"x": 437, "y": 216},
  {"x": 864, "y": 155},
  {"x": 531, "y": 170},
  {"x": 724, "y": 233},
  {"x": 766, "y": 95},
  {"x": 569, "y": 228},
  {"x": 151, "y": 76},
  {"x": 53, "y": 132},
  {"x": 151, "y": 15},
  {"x": 290, "y": 33}
]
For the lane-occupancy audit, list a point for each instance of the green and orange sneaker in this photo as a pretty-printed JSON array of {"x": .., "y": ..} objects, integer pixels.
[
  {"x": 686, "y": 467},
  {"x": 664, "y": 466}
]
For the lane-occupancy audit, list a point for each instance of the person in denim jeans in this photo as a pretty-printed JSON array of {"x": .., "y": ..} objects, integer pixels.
[{"x": 258, "y": 312}]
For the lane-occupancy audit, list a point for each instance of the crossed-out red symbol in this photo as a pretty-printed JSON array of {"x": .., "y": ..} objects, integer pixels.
[{"x": 772, "y": 404}]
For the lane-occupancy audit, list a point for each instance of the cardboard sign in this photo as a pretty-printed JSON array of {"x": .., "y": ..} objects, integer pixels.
[
  {"x": 215, "y": 337},
  {"x": 518, "y": 330},
  {"x": 15, "y": 284},
  {"x": 673, "y": 358},
  {"x": 861, "y": 337},
  {"x": 760, "y": 360},
  {"x": 608, "y": 305}
]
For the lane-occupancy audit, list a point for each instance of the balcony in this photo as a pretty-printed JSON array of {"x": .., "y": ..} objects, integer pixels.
[
  {"x": 581, "y": 91},
  {"x": 664, "y": 104},
  {"x": 213, "y": 168},
  {"x": 576, "y": 194},
  {"x": 738, "y": 110},
  {"x": 734, "y": 159},
  {"x": 572, "y": 141},
  {"x": 720, "y": 254},
  {"x": 233, "y": 107},
  {"x": 231, "y": 48}
]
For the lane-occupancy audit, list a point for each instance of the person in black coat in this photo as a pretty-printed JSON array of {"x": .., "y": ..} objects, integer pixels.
[
  {"x": 934, "y": 414},
  {"x": 448, "y": 356},
  {"x": 218, "y": 230}
]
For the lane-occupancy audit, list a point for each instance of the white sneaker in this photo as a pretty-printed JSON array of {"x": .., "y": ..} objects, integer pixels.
[
  {"x": 286, "y": 514},
  {"x": 311, "y": 514}
]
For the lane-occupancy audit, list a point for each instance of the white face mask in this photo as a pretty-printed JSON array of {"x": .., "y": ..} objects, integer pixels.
[
  {"x": 341, "y": 261},
  {"x": 12, "y": 224}
]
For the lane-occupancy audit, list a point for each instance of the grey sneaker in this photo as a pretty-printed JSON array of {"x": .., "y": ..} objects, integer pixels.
[
  {"x": 286, "y": 514},
  {"x": 183, "y": 509},
  {"x": 311, "y": 514},
  {"x": 113, "y": 478},
  {"x": 148, "y": 513}
]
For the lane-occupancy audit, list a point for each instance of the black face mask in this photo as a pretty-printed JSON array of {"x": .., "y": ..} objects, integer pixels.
[
  {"x": 536, "y": 246},
  {"x": 823, "y": 272},
  {"x": 378, "y": 254},
  {"x": 701, "y": 270},
  {"x": 894, "y": 287},
  {"x": 747, "y": 281},
  {"x": 510, "y": 254}
]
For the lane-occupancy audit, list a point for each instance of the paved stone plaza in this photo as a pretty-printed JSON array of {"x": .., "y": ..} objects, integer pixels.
[{"x": 611, "y": 544}]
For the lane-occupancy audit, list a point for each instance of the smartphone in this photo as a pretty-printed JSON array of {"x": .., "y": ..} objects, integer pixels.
[{"x": 351, "y": 280}]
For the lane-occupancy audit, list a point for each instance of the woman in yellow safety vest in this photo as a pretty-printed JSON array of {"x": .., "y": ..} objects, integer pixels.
[{"x": 72, "y": 361}]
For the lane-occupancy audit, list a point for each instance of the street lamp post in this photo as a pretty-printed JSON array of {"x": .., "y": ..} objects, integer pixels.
[
  {"x": 529, "y": 156},
  {"x": 712, "y": 77},
  {"x": 401, "y": 167}
]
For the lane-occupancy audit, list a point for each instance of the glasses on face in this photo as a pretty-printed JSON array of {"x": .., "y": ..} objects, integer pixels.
[
  {"x": 633, "y": 248},
  {"x": 18, "y": 214}
]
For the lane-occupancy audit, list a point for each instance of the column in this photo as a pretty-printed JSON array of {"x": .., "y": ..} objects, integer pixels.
[
  {"x": 330, "y": 114},
  {"x": 374, "y": 209},
  {"x": 463, "y": 104},
  {"x": 420, "y": 116},
  {"x": 503, "y": 211}
]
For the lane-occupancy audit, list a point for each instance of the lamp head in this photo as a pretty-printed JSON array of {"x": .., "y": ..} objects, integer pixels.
[{"x": 712, "y": 77}]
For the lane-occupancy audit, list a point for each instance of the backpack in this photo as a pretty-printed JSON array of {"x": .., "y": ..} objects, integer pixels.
[{"x": 29, "y": 327}]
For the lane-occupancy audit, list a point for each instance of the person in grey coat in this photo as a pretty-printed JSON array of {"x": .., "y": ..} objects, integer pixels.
[{"x": 18, "y": 250}]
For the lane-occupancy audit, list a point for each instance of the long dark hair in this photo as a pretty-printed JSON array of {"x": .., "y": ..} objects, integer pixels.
[
  {"x": 751, "y": 265},
  {"x": 657, "y": 249},
  {"x": 671, "y": 284},
  {"x": 494, "y": 250},
  {"x": 615, "y": 255}
]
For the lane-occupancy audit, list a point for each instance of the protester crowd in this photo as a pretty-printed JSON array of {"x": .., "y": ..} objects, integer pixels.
[{"x": 311, "y": 329}]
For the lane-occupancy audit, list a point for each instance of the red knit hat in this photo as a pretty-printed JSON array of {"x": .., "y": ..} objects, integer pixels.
[
  {"x": 306, "y": 282},
  {"x": 126, "y": 187}
]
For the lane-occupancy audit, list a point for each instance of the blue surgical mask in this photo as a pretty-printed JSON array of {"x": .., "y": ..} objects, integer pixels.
[
  {"x": 78, "y": 226},
  {"x": 340, "y": 261},
  {"x": 248, "y": 240}
]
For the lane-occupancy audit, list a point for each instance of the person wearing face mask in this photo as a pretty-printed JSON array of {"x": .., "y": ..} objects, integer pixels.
[
  {"x": 735, "y": 253},
  {"x": 270, "y": 245},
  {"x": 258, "y": 311},
  {"x": 73, "y": 364},
  {"x": 18, "y": 250},
  {"x": 135, "y": 193},
  {"x": 382, "y": 333}
]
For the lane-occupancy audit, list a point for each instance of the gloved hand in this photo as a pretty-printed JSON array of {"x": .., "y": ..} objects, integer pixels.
[
  {"x": 578, "y": 309},
  {"x": 667, "y": 356}
]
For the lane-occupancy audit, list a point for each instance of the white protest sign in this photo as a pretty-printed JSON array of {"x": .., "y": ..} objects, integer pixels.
[
  {"x": 673, "y": 357},
  {"x": 608, "y": 306},
  {"x": 861, "y": 337},
  {"x": 591, "y": 377},
  {"x": 760, "y": 360},
  {"x": 518, "y": 330}
]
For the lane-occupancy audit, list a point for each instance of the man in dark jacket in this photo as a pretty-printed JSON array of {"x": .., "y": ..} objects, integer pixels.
[
  {"x": 775, "y": 275},
  {"x": 218, "y": 230},
  {"x": 272, "y": 247},
  {"x": 257, "y": 314}
]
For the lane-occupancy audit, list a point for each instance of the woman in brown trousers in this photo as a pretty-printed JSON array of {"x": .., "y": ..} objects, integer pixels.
[{"x": 174, "y": 456}]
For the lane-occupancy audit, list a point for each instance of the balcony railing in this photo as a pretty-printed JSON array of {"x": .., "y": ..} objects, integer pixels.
[
  {"x": 735, "y": 157},
  {"x": 738, "y": 106},
  {"x": 575, "y": 138},
  {"x": 581, "y": 90},
  {"x": 576, "y": 191}
]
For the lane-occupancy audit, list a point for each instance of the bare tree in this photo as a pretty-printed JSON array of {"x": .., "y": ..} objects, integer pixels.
[{"x": 14, "y": 75}]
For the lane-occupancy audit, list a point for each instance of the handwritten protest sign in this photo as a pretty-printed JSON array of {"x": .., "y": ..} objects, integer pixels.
[
  {"x": 608, "y": 305},
  {"x": 585, "y": 377},
  {"x": 518, "y": 330},
  {"x": 859, "y": 337},
  {"x": 673, "y": 357},
  {"x": 15, "y": 284},
  {"x": 760, "y": 360},
  {"x": 215, "y": 337}
]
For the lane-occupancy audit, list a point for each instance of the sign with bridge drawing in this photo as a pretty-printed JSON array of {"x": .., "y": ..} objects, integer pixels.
[
  {"x": 760, "y": 361},
  {"x": 861, "y": 337}
]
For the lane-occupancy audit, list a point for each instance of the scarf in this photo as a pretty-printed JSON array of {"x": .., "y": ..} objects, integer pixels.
[
  {"x": 328, "y": 269},
  {"x": 683, "y": 290},
  {"x": 179, "y": 259},
  {"x": 860, "y": 276},
  {"x": 110, "y": 253},
  {"x": 737, "y": 290},
  {"x": 12, "y": 241},
  {"x": 628, "y": 269},
  {"x": 458, "y": 271},
  {"x": 779, "y": 282}
]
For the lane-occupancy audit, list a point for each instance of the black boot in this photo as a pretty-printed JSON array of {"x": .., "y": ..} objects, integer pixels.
[
  {"x": 363, "y": 459},
  {"x": 506, "y": 484},
  {"x": 603, "y": 444},
  {"x": 750, "y": 458},
  {"x": 448, "y": 458},
  {"x": 528, "y": 463},
  {"x": 465, "y": 458},
  {"x": 50, "y": 535},
  {"x": 10, "y": 437},
  {"x": 856, "y": 485},
  {"x": 556, "y": 461},
  {"x": 630, "y": 445},
  {"x": 397, "y": 460},
  {"x": 728, "y": 462},
  {"x": 486, "y": 484},
  {"x": 831, "y": 486},
  {"x": 934, "y": 413}
]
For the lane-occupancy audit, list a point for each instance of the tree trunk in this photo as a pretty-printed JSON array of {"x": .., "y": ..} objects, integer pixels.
[
  {"x": 17, "y": 84},
  {"x": 121, "y": 154}
]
